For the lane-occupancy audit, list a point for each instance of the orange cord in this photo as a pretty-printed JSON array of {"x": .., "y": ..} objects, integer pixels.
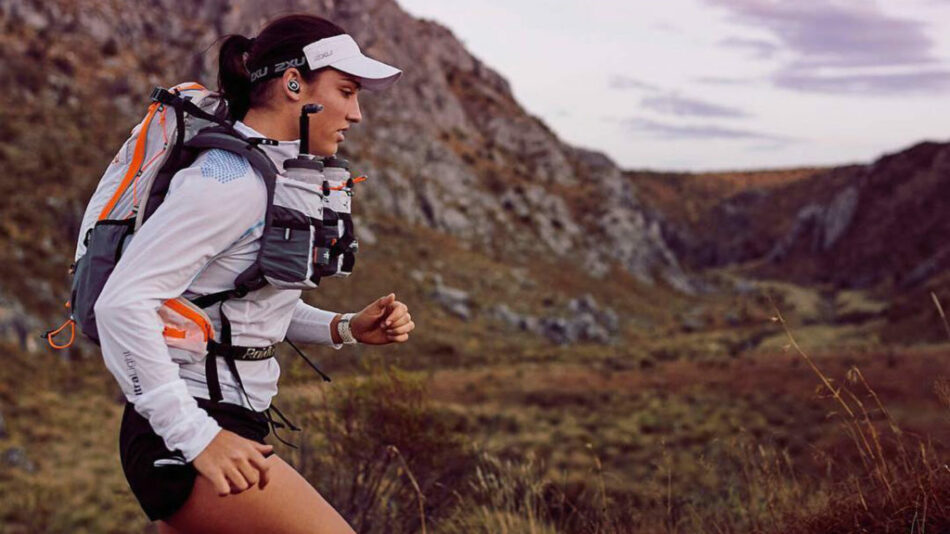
[
  {"x": 71, "y": 323},
  {"x": 343, "y": 186}
]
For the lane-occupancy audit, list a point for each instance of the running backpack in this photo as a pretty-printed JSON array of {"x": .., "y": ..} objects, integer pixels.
[{"x": 308, "y": 232}]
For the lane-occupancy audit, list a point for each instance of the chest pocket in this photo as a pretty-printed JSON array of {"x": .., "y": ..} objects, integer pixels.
[{"x": 287, "y": 257}]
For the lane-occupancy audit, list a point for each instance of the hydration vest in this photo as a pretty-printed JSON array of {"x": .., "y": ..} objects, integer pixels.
[{"x": 307, "y": 234}]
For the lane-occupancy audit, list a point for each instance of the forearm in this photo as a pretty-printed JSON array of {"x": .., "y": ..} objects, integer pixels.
[
  {"x": 135, "y": 353},
  {"x": 313, "y": 325}
]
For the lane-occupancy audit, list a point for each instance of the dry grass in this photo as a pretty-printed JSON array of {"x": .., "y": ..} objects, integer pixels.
[
  {"x": 530, "y": 444},
  {"x": 903, "y": 484}
]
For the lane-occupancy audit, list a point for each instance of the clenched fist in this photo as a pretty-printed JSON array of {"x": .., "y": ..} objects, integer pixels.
[{"x": 384, "y": 321}]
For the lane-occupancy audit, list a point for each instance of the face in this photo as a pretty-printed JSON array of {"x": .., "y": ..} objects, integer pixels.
[{"x": 338, "y": 93}]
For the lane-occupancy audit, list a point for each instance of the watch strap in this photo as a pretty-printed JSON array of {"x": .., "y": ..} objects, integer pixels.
[{"x": 343, "y": 328}]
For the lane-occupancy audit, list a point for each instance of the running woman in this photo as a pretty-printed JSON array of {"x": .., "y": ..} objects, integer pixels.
[{"x": 196, "y": 465}]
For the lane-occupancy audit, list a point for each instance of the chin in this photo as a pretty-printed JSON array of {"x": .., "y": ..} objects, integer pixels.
[{"x": 325, "y": 151}]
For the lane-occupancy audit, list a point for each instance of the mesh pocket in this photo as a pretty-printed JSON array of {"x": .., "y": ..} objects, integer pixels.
[
  {"x": 104, "y": 245},
  {"x": 287, "y": 254}
]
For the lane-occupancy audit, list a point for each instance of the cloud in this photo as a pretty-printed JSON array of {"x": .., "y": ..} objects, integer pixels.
[
  {"x": 882, "y": 84},
  {"x": 830, "y": 33},
  {"x": 826, "y": 40},
  {"x": 672, "y": 104},
  {"x": 619, "y": 81},
  {"x": 663, "y": 130},
  {"x": 759, "y": 48},
  {"x": 723, "y": 80}
]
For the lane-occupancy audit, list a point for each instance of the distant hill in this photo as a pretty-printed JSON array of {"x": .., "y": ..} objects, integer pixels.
[{"x": 858, "y": 226}]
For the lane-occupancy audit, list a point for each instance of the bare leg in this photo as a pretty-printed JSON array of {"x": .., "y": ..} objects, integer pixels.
[{"x": 288, "y": 505}]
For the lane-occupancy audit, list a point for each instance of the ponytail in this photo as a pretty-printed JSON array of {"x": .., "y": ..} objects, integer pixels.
[{"x": 234, "y": 81}]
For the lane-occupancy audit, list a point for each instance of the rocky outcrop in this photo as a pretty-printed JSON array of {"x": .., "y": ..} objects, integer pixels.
[
  {"x": 819, "y": 227},
  {"x": 887, "y": 225},
  {"x": 17, "y": 326},
  {"x": 584, "y": 322}
]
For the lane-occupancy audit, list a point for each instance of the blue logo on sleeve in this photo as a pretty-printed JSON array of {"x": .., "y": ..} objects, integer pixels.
[{"x": 223, "y": 166}]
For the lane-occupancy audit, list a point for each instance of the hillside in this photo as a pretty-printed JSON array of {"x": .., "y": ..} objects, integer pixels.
[{"x": 448, "y": 148}]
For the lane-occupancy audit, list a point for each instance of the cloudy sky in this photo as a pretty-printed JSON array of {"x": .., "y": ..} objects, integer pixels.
[{"x": 719, "y": 84}]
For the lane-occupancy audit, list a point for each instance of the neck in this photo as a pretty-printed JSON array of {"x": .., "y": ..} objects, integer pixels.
[{"x": 271, "y": 125}]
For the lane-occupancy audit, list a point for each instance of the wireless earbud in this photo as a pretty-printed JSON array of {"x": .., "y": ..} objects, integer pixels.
[{"x": 294, "y": 86}]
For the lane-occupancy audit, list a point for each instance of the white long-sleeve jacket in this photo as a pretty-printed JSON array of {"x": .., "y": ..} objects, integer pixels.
[{"x": 205, "y": 233}]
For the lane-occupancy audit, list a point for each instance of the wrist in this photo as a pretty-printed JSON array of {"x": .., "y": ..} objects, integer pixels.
[{"x": 334, "y": 335}]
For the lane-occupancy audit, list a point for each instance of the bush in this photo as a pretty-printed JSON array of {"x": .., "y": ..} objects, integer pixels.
[{"x": 388, "y": 459}]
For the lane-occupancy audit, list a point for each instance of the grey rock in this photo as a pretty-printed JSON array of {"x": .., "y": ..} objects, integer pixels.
[
  {"x": 610, "y": 320},
  {"x": 818, "y": 227},
  {"x": 586, "y": 327},
  {"x": 925, "y": 269},
  {"x": 417, "y": 275},
  {"x": 838, "y": 215},
  {"x": 504, "y": 314},
  {"x": 585, "y": 323},
  {"x": 16, "y": 457},
  {"x": 556, "y": 330},
  {"x": 455, "y": 301},
  {"x": 364, "y": 234},
  {"x": 16, "y": 325}
]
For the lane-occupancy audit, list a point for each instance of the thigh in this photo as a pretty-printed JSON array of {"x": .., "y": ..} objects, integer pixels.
[{"x": 288, "y": 505}]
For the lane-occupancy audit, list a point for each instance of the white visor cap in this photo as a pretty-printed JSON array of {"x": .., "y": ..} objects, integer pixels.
[{"x": 342, "y": 53}]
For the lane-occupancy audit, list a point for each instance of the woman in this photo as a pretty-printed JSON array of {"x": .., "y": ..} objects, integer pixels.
[{"x": 194, "y": 464}]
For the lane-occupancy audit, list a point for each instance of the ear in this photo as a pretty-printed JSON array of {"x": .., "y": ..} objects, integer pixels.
[{"x": 285, "y": 79}]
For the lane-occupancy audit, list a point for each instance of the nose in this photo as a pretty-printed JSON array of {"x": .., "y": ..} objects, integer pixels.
[{"x": 353, "y": 114}]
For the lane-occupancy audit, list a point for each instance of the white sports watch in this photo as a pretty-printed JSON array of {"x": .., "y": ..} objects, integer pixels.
[{"x": 343, "y": 328}]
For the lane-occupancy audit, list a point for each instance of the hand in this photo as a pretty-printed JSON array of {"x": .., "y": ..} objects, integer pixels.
[
  {"x": 384, "y": 321},
  {"x": 233, "y": 464}
]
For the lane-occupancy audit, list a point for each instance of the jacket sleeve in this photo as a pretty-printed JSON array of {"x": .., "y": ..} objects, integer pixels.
[
  {"x": 311, "y": 325},
  {"x": 208, "y": 208}
]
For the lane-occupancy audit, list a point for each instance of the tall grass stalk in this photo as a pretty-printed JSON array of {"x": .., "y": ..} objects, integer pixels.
[
  {"x": 943, "y": 316},
  {"x": 898, "y": 477},
  {"x": 415, "y": 485}
]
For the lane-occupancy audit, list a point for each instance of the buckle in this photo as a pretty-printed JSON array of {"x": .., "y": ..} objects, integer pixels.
[
  {"x": 163, "y": 96},
  {"x": 262, "y": 141}
]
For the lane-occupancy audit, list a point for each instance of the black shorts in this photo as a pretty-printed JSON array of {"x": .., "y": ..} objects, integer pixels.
[{"x": 161, "y": 479}]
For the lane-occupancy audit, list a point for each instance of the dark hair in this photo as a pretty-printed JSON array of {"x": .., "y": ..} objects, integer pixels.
[{"x": 281, "y": 39}]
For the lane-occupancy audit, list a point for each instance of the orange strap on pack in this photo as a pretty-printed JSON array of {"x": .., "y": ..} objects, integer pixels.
[
  {"x": 138, "y": 156},
  {"x": 135, "y": 165},
  {"x": 192, "y": 315},
  {"x": 174, "y": 333}
]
